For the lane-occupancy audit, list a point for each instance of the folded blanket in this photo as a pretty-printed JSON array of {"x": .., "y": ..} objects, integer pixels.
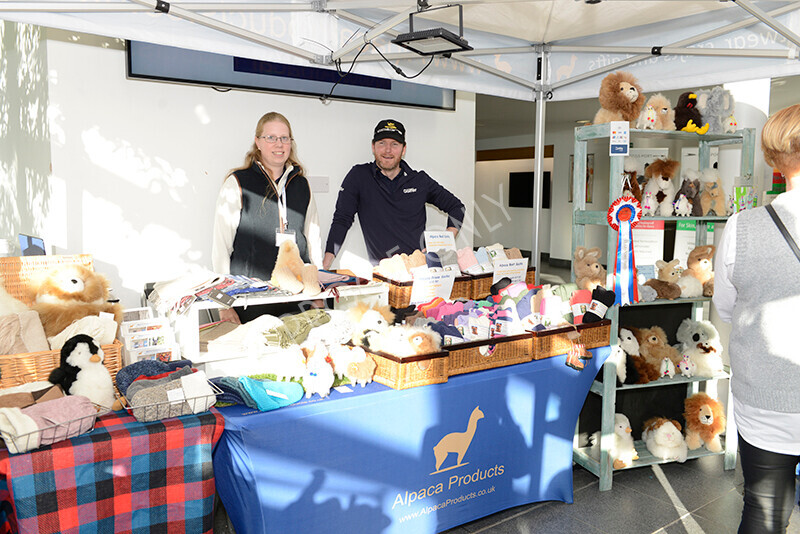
[
  {"x": 129, "y": 373},
  {"x": 23, "y": 398},
  {"x": 21, "y": 333},
  {"x": 102, "y": 329},
  {"x": 231, "y": 386},
  {"x": 46, "y": 423}
]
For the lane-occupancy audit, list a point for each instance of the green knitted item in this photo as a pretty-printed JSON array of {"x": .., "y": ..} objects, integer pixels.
[{"x": 295, "y": 328}]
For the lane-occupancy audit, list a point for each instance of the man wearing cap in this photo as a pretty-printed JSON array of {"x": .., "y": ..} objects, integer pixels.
[{"x": 390, "y": 198}]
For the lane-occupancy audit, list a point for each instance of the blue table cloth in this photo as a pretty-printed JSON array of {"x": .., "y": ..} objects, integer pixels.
[{"x": 418, "y": 460}]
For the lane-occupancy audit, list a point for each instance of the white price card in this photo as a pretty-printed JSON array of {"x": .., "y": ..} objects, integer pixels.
[
  {"x": 439, "y": 240},
  {"x": 619, "y": 139},
  {"x": 430, "y": 285},
  {"x": 648, "y": 243},
  {"x": 513, "y": 269}
]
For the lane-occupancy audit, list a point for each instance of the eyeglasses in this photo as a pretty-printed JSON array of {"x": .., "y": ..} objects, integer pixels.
[{"x": 271, "y": 139}]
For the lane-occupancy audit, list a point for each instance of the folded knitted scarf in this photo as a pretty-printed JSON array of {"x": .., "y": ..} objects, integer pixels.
[
  {"x": 144, "y": 382},
  {"x": 129, "y": 373},
  {"x": 295, "y": 328}
]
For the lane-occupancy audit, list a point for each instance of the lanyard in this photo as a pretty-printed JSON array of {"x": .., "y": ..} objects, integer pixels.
[{"x": 280, "y": 187}]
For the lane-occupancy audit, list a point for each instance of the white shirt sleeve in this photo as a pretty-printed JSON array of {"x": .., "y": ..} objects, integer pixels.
[
  {"x": 226, "y": 222},
  {"x": 313, "y": 232},
  {"x": 724, "y": 292}
]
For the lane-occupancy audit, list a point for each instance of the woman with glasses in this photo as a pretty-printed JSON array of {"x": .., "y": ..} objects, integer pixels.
[{"x": 262, "y": 203}]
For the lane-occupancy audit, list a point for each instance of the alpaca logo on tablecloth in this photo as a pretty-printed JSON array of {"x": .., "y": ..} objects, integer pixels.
[{"x": 457, "y": 442}]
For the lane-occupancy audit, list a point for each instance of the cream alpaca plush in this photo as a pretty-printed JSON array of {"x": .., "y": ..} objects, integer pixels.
[
  {"x": 622, "y": 452},
  {"x": 657, "y": 114},
  {"x": 291, "y": 274},
  {"x": 361, "y": 372},
  {"x": 713, "y": 199},
  {"x": 653, "y": 346},
  {"x": 589, "y": 272},
  {"x": 659, "y": 176},
  {"x": 664, "y": 440},
  {"x": 318, "y": 377}
]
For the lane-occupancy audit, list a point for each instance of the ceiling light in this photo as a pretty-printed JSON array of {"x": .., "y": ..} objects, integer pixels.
[{"x": 435, "y": 41}]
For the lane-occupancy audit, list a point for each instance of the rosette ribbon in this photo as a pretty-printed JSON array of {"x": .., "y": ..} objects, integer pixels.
[{"x": 623, "y": 215}]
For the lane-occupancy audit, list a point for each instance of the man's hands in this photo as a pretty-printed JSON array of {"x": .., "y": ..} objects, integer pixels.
[{"x": 328, "y": 260}]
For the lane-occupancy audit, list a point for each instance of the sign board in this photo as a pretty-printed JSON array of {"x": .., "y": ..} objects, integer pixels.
[
  {"x": 428, "y": 286},
  {"x": 513, "y": 269}
]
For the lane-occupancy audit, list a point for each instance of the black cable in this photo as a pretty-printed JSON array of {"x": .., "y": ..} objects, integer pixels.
[
  {"x": 324, "y": 98},
  {"x": 397, "y": 69}
]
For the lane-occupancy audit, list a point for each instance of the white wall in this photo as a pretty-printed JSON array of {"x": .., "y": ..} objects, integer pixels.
[
  {"x": 495, "y": 221},
  {"x": 137, "y": 165}
]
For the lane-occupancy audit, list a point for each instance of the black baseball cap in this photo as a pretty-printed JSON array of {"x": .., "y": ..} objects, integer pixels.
[{"x": 390, "y": 128}]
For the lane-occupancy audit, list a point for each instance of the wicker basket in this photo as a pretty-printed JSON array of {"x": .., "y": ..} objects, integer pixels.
[
  {"x": 21, "y": 275},
  {"x": 490, "y": 353},
  {"x": 549, "y": 343},
  {"x": 530, "y": 276},
  {"x": 482, "y": 285},
  {"x": 400, "y": 292},
  {"x": 411, "y": 371},
  {"x": 462, "y": 288}
]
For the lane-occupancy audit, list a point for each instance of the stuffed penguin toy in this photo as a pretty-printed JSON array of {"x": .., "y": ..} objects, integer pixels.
[{"x": 82, "y": 372}]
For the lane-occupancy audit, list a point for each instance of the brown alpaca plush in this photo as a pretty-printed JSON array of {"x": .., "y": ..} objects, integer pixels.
[
  {"x": 291, "y": 274},
  {"x": 700, "y": 266},
  {"x": 666, "y": 285},
  {"x": 589, "y": 273},
  {"x": 631, "y": 187},
  {"x": 705, "y": 421},
  {"x": 621, "y": 98},
  {"x": 69, "y": 293},
  {"x": 653, "y": 346}
]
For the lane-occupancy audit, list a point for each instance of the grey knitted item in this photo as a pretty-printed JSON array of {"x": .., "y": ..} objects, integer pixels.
[
  {"x": 448, "y": 257},
  {"x": 129, "y": 373},
  {"x": 233, "y": 383},
  {"x": 153, "y": 404},
  {"x": 139, "y": 385}
]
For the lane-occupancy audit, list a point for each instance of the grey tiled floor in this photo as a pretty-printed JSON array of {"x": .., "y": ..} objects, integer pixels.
[{"x": 696, "y": 497}]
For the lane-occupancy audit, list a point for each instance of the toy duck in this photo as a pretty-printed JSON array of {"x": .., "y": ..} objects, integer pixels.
[
  {"x": 622, "y": 451},
  {"x": 687, "y": 116}
]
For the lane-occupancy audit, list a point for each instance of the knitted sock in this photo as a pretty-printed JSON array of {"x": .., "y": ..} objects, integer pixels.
[
  {"x": 432, "y": 260},
  {"x": 500, "y": 284},
  {"x": 271, "y": 395},
  {"x": 467, "y": 261},
  {"x": 513, "y": 253},
  {"x": 449, "y": 258},
  {"x": 416, "y": 259},
  {"x": 496, "y": 252},
  {"x": 602, "y": 299},
  {"x": 482, "y": 255}
]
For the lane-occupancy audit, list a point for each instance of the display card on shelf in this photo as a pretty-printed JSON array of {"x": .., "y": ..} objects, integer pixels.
[
  {"x": 136, "y": 314},
  {"x": 435, "y": 241},
  {"x": 428, "y": 286},
  {"x": 620, "y": 138},
  {"x": 685, "y": 239},
  {"x": 143, "y": 325},
  {"x": 151, "y": 338},
  {"x": 648, "y": 242},
  {"x": 516, "y": 270},
  {"x": 164, "y": 353}
]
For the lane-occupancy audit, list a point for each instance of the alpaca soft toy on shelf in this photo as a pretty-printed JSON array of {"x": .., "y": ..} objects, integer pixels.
[
  {"x": 82, "y": 372},
  {"x": 622, "y": 452},
  {"x": 713, "y": 199},
  {"x": 687, "y": 116},
  {"x": 690, "y": 188},
  {"x": 700, "y": 342},
  {"x": 705, "y": 421},
  {"x": 621, "y": 98},
  {"x": 654, "y": 347},
  {"x": 657, "y": 114},
  {"x": 716, "y": 105},
  {"x": 659, "y": 176},
  {"x": 700, "y": 268},
  {"x": 666, "y": 285},
  {"x": 640, "y": 371},
  {"x": 291, "y": 274},
  {"x": 664, "y": 440}
]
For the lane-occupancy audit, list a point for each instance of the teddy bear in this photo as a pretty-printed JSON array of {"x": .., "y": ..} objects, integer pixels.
[
  {"x": 666, "y": 285},
  {"x": 699, "y": 266},
  {"x": 657, "y": 114},
  {"x": 291, "y": 274},
  {"x": 705, "y": 421},
  {"x": 687, "y": 117},
  {"x": 664, "y": 440},
  {"x": 622, "y": 452},
  {"x": 659, "y": 182},
  {"x": 631, "y": 185},
  {"x": 700, "y": 342},
  {"x": 369, "y": 322},
  {"x": 712, "y": 197},
  {"x": 690, "y": 188},
  {"x": 589, "y": 273},
  {"x": 716, "y": 105},
  {"x": 69, "y": 293},
  {"x": 653, "y": 346},
  {"x": 620, "y": 97}
]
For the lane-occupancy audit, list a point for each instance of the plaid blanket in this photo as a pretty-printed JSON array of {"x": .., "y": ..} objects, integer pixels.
[{"x": 123, "y": 476}]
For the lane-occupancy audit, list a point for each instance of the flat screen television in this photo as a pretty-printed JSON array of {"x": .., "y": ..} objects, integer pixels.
[{"x": 520, "y": 189}]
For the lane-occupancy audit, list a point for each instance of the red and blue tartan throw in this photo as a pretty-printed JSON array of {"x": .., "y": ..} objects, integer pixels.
[{"x": 123, "y": 476}]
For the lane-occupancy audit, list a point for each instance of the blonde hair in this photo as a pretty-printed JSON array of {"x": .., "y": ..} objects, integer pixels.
[
  {"x": 780, "y": 140},
  {"x": 254, "y": 154}
]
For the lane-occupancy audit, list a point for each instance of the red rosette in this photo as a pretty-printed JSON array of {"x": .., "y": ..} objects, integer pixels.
[{"x": 624, "y": 209}]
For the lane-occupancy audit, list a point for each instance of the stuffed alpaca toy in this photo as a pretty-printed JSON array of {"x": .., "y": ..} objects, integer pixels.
[
  {"x": 664, "y": 440},
  {"x": 362, "y": 371},
  {"x": 369, "y": 322},
  {"x": 659, "y": 176},
  {"x": 631, "y": 186},
  {"x": 687, "y": 367},
  {"x": 716, "y": 105},
  {"x": 712, "y": 197},
  {"x": 318, "y": 377},
  {"x": 666, "y": 285},
  {"x": 687, "y": 117},
  {"x": 589, "y": 273},
  {"x": 700, "y": 267},
  {"x": 681, "y": 205},
  {"x": 649, "y": 204},
  {"x": 291, "y": 274},
  {"x": 82, "y": 372},
  {"x": 699, "y": 341},
  {"x": 342, "y": 356},
  {"x": 621, "y": 98},
  {"x": 643, "y": 371},
  {"x": 622, "y": 452},
  {"x": 657, "y": 114},
  {"x": 654, "y": 348},
  {"x": 403, "y": 340},
  {"x": 705, "y": 421},
  {"x": 285, "y": 364},
  {"x": 69, "y": 293},
  {"x": 690, "y": 188},
  {"x": 667, "y": 369}
]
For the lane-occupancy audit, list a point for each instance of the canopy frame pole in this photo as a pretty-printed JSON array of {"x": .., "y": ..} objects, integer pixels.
[
  {"x": 543, "y": 77},
  {"x": 376, "y": 31},
  {"x": 789, "y": 53},
  {"x": 126, "y": 7},
  {"x": 229, "y": 29},
  {"x": 685, "y": 42},
  {"x": 768, "y": 20}
]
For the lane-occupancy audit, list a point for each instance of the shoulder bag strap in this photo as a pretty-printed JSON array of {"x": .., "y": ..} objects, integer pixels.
[{"x": 784, "y": 231}]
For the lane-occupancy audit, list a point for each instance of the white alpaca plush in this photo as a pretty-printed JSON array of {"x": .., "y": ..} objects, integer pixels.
[
  {"x": 682, "y": 206},
  {"x": 659, "y": 182},
  {"x": 664, "y": 440},
  {"x": 687, "y": 367},
  {"x": 649, "y": 204},
  {"x": 318, "y": 377},
  {"x": 690, "y": 287},
  {"x": 622, "y": 451},
  {"x": 343, "y": 356},
  {"x": 667, "y": 368},
  {"x": 287, "y": 364}
]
